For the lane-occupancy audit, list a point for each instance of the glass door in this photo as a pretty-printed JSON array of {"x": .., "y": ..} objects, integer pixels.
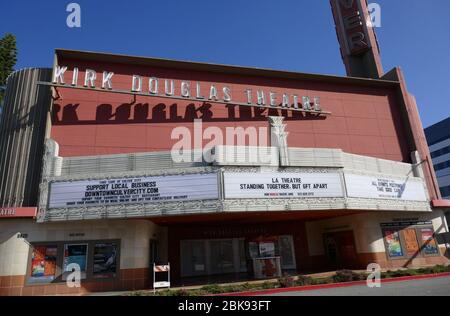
[
  {"x": 214, "y": 256},
  {"x": 193, "y": 258},
  {"x": 287, "y": 253},
  {"x": 222, "y": 256}
]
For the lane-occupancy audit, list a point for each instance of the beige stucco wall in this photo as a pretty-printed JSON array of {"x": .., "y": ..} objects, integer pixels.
[
  {"x": 366, "y": 228},
  {"x": 134, "y": 235}
]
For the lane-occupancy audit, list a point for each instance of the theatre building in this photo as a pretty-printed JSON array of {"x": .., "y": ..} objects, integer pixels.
[
  {"x": 112, "y": 163},
  {"x": 339, "y": 176}
]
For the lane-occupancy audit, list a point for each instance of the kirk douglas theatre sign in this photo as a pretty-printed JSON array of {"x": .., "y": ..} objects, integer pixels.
[
  {"x": 134, "y": 190},
  {"x": 186, "y": 90}
]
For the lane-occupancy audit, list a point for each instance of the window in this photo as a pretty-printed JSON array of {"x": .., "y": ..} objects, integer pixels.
[
  {"x": 242, "y": 256},
  {"x": 440, "y": 152},
  {"x": 445, "y": 191},
  {"x": 212, "y": 257},
  {"x": 193, "y": 258},
  {"x": 287, "y": 253},
  {"x": 442, "y": 165}
]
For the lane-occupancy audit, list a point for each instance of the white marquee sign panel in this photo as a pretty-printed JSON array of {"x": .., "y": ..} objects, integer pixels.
[
  {"x": 282, "y": 185},
  {"x": 134, "y": 190},
  {"x": 373, "y": 187}
]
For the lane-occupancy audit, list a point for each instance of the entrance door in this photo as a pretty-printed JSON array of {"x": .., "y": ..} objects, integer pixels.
[
  {"x": 341, "y": 250},
  {"x": 287, "y": 253},
  {"x": 212, "y": 257},
  {"x": 154, "y": 252},
  {"x": 222, "y": 256},
  {"x": 193, "y": 258}
]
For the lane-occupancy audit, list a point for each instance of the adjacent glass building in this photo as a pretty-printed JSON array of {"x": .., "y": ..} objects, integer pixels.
[{"x": 438, "y": 137}]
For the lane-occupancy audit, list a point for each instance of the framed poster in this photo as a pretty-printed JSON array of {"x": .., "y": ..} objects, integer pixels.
[
  {"x": 267, "y": 249},
  {"x": 267, "y": 267},
  {"x": 393, "y": 244},
  {"x": 411, "y": 244},
  {"x": 43, "y": 263},
  {"x": 430, "y": 246},
  {"x": 105, "y": 260},
  {"x": 75, "y": 254}
]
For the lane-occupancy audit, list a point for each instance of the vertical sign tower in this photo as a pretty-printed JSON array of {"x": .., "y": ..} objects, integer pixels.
[{"x": 357, "y": 38}]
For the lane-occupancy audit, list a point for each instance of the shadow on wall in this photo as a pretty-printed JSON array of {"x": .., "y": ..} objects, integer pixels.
[{"x": 163, "y": 113}]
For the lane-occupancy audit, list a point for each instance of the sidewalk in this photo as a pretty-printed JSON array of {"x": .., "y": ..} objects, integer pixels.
[
  {"x": 255, "y": 282},
  {"x": 194, "y": 287}
]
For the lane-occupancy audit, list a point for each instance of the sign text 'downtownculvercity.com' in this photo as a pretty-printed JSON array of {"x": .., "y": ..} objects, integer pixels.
[{"x": 134, "y": 190}]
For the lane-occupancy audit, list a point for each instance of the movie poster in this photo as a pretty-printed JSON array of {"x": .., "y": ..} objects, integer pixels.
[
  {"x": 394, "y": 246},
  {"x": 43, "y": 263},
  {"x": 429, "y": 243},
  {"x": 267, "y": 249},
  {"x": 411, "y": 243},
  {"x": 105, "y": 260},
  {"x": 75, "y": 254}
]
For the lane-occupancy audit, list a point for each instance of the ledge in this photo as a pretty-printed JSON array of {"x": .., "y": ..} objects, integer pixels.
[{"x": 441, "y": 203}]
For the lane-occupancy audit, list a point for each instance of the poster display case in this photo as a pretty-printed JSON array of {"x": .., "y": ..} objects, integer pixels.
[
  {"x": 405, "y": 240},
  {"x": 43, "y": 263},
  {"x": 265, "y": 258}
]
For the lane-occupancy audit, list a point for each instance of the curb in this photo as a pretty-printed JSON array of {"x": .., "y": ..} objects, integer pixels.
[{"x": 333, "y": 285}]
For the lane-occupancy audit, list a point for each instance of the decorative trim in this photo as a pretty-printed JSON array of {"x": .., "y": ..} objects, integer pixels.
[{"x": 278, "y": 138}]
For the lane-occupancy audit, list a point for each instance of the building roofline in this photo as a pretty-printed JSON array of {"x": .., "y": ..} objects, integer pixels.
[{"x": 219, "y": 68}]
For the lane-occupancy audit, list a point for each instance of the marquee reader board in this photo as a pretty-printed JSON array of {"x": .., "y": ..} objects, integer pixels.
[
  {"x": 282, "y": 185},
  {"x": 134, "y": 190},
  {"x": 373, "y": 187}
]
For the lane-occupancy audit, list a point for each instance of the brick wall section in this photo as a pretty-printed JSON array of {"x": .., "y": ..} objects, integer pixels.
[
  {"x": 128, "y": 280},
  {"x": 365, "y": 120}
]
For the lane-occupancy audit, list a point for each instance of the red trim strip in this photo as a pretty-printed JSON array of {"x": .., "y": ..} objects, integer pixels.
[
  {"x": 334, "y": 285},
  {"x": 440, "y": 203},
  {"x": 17, "y": 212}
]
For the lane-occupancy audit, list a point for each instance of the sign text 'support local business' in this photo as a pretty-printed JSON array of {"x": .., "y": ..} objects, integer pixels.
[
  {"x": 282, "y": 185},
  {"x": 134, "y": 190},
  {"x": 236, "y": 186}
]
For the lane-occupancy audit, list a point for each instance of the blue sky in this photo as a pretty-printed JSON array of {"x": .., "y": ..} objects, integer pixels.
[{"x": 295, "y": 35}]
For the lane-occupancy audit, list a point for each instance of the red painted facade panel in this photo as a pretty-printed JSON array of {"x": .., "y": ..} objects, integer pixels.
[{"x": 363, "y": 120}]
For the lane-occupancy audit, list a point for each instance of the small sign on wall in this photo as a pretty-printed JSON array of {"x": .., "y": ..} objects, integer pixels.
[{"x": 161, "y": 269}]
